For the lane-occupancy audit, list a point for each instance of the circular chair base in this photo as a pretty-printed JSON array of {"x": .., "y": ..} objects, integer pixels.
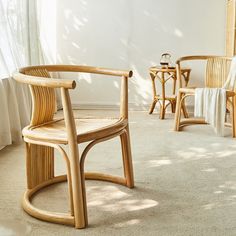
[
  {"x": 191, "y": 121},
  {"x": 56, "y": 217}
]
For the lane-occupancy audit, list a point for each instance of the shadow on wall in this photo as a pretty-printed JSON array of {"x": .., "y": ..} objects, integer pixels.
[
  {"x": 129, "y": 35},
  {"x": 110, "y": 38}
]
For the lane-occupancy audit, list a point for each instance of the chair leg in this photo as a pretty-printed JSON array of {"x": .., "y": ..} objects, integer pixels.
[
  {"x": 127, "y": 158},
  {"x": 178, "y": 112},
  {"x": 185, "y": 113},
  {"x": 77, "y": 190},
  {"x": 233, "y": 115},
  {"x": 83, "y": 189}
]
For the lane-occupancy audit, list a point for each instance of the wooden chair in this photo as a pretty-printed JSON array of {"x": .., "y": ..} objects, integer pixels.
[
  {"x": 45, "y": 133},
  {"x": 217, "y": 69}
]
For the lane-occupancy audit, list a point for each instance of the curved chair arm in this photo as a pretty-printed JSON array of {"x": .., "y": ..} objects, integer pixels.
[
  {"x": 62, "y": 83},
  {"x": 194, "y": 57},
  {"x": 44, "y": 82},
  {"x": 79, "y": 68},
  {"x": 71, "y": 84}
]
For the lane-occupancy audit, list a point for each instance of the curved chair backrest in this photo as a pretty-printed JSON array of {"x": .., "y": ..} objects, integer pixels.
[
  {"x": 43, "y": 98},
  {"x": 217, "y": 70},
  {"x": 42, "y": 88}
]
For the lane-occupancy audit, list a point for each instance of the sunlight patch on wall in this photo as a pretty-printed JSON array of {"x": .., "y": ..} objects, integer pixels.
[
  {"x": 86, "y": 77},
  {"x": 75, "y": 45},
  {"x": 67, "y": 13},
  {"x": 47, "y": 25},
  {"x": 178, "y": 33},
  {"x": 142, "y": 86},
  {"x": 77, "y": 21},
  {"x": 116, "y": 84}
]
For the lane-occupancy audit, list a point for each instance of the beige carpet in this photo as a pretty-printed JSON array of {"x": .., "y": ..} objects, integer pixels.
[{"x": 185, "y": 185}]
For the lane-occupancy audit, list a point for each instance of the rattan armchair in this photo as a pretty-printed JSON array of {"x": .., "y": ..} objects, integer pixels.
[
  {"x": 217, "y": 69},
  {"x": 45, "y": 133}
]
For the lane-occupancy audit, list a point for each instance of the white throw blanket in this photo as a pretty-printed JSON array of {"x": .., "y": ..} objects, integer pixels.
[{"x": 211, "y": 102}]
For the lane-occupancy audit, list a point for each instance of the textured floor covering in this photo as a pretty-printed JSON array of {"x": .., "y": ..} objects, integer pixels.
[{"x": 185, "y": 185}]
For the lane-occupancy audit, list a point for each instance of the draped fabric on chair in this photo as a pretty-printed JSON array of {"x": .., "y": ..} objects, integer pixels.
[{"x": 19, "y": 46}]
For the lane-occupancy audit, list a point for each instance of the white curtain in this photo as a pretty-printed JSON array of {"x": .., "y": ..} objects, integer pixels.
[{"x": 19, "y": 46}]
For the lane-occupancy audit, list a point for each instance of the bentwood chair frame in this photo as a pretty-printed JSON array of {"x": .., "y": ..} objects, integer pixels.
[
  {"x": 217, "y": 69},
  {"x": 45, "y": 133}
]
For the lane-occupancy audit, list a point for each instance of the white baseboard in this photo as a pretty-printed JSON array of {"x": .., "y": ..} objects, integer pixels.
[
  {"x": 102, "y": 106},
  {"x": 94, "y": 106}
]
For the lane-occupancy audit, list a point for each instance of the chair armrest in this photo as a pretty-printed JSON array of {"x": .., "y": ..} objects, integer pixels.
[
  {"x": 70, "y": 84},
  {"x": 79, "y": 68},
  {"x": 45, "y": 82},
  {"x": 195, "y": 57},
  {"x": 200, "y": 57}
]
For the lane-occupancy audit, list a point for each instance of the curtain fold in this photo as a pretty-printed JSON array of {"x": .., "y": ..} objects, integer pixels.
[
  {"x": 19, "y": 46},
  {"x": 15, "y": 104}
]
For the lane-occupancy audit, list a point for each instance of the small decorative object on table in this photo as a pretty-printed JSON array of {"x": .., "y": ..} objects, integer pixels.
[{"x": 165, "y": 60}]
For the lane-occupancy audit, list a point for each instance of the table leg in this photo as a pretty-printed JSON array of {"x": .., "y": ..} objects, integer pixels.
[
  {"x": 233, "y": 115},
  {"x": 186, "y": 80},
  {"x": 173, "y": 102},
  {"x": 162, "y": 111},
  {"x": 152, "y": 106},
  {"x": 173, "y": 105}
]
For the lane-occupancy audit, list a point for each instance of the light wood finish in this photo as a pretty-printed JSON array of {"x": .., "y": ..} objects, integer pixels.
[
  {"x": 163, "y": 75},
  {"x": 231, "y": 28},
  {"x": 217, "y": 69},
  {"x": 44, "y": 134},
  {"x": 39, "y": 169}
]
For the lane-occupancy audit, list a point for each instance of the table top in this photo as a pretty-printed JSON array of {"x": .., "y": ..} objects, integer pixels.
[{"x": 169, "y": 69}]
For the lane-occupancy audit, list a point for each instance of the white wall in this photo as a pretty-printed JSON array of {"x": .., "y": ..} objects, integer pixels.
[
  {"x": 47, "y": 19},
  {"x": 132, "y": 34}
]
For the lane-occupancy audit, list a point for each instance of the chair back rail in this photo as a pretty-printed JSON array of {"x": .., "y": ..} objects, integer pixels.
[
  {"x": 42, "y": 87},
  {"x": 217, "y": 70},
  {"x": 43, "y": 98}
]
